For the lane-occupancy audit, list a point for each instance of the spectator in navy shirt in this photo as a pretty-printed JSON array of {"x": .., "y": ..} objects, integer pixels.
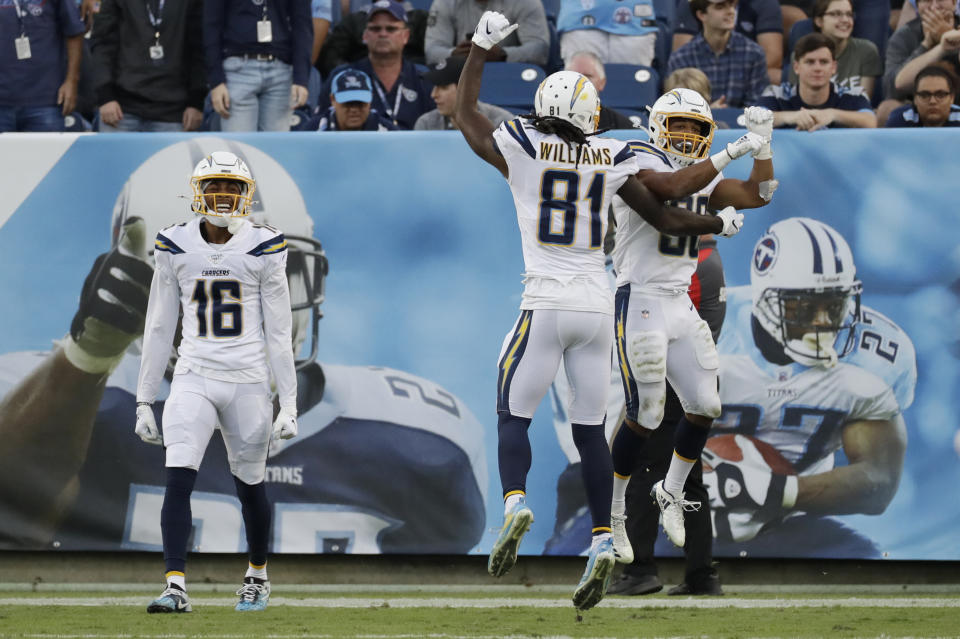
[
  {"x": 759, "y": 20},
  {"x": 41, "y": 45},
  {"x": 399, "y": 93},
  {"x": 350, "y": 105},
  {"x": 934, "y": 94},
  {"x": 258, "y": 60},
  {"x": 817, "y": 104},
  {"x": 735, "y": 65}
]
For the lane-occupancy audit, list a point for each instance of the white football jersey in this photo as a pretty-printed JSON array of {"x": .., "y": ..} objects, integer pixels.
[
  {"x": 225, "y": 291},
  {"x": 562, "y": 202},
  {"x": 645, "y": 257},
  {"x": 801, "y": 410}
]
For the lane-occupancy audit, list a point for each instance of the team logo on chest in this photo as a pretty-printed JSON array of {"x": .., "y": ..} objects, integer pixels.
[{"x": 215, "y": 258}]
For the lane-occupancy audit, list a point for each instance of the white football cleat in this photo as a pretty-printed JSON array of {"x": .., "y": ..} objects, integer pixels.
[
  {"x": 622, "y": 549},
  {"x": 173, "y": 599},
  {"x": 671, "y": 512}
]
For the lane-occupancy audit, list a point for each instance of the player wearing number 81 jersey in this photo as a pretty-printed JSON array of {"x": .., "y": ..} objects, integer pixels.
[{"x": 562, "y": 179}]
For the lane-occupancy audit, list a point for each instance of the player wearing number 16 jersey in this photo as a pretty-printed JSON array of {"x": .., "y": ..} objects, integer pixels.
[
  {"x": 229, "y": 277},
  {"x": 562, "y": 179}
]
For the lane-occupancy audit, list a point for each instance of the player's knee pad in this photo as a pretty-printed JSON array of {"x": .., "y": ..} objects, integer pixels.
[
  {"x": 249, "y": 471},
  {"x": 651, "y": 399},
  {"x": 647, "y": 354},
  {"x": 707, "y": 400},
  {"x": 183, "y": 455},
  {"x": 705, "y": 348}
]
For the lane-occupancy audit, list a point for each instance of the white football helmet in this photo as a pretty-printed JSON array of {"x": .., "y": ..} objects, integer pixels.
[
  {"x": 684, "y": 148},
  {"x": 154, "y": 192},
  {"x": 570, "y": 96},
  {"x": 806, "y": 294},
  {"x": 222, "y": 165}
]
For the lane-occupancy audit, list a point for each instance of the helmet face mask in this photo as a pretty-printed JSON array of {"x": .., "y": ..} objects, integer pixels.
[
  {"x": 212, "y": 197},
  {"x": 805, "y": 292},
  {"x": 683, "y": 145},
  {"x": 569, "y": 96}
]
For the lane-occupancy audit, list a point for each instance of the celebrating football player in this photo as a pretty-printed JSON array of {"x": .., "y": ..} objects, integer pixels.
[{"x": 562, "y": 179}]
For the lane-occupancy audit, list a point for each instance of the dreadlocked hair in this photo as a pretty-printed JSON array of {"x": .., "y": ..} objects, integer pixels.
[{"x": 564, "y": 130}]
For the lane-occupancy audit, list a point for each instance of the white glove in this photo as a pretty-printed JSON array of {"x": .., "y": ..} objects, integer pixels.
[
  {"x": 759, "y": 120},
  {"x": 732, "y": 221},
  {"x": 492, "y": 28},
  {"x": 147, "y": 425},
  {"x": 285, "y": 425},
  {"x": 746, "y": 143}
]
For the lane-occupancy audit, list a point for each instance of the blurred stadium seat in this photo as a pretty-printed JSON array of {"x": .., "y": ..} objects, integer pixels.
[
  {"x": 630, "y": 86},
  {"x": 423, "y": 5},
  {"x": 729, "y": 116},
  {"x": 510, "y": 84},
  {"x": 637, "y": 115}
]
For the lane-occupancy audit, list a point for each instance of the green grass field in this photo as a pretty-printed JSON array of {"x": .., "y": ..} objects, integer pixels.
[{"x": 478, "y": 612}]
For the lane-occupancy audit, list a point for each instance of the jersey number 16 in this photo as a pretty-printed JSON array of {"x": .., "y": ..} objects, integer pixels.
[{"x": 226, "y": 311}]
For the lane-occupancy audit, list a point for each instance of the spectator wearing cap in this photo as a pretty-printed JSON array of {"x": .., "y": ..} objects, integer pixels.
[
  {"x": 451, "y": 23},
  {"x": 445, "y": 77},
  {"x": 587, "y": 63},
  {"x": 735, "y": 65},
  {"x": 399, "y": 93},
  {"x": 41, "y": 44},
  {"x": 616, "y": 32},
  {"x": 934, "y": 94},
  {"x": 759, "y": 20},
  {"x": 817, "y": 103},
  {"x": 350, "y": 105},
  {"x": 257, "y": 54}
]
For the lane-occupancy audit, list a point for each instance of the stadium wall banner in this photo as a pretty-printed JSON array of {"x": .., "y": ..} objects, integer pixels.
[{"x": 397, "y": 451}]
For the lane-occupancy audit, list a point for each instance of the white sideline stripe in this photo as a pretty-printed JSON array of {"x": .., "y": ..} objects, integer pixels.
[
  {"x": 454, "y": 602},
  {"x": 314, "y": 636},
  {"x": 851, "y": 590}
]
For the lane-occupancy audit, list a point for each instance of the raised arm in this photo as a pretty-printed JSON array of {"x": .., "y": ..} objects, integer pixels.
[
  {"x": 476, "y": 128},
  {"x": 690, "y": 179},
  {"x": 758, "y": 189},
  {"x": 673, "y": 220}
]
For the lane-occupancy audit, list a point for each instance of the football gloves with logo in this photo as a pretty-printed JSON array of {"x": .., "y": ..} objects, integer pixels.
[
  {"x": 492, "y": 28},
  {"x": 746, "y": 143},
  {"x": 732, "y": 221},
  {"x": 748, "y": 488},
  {"x": 759, "y": 120},
  {"x": 285, "y": 425},
  {"x": 113, "y": 303},
  {"x": 146, "y": 426}
]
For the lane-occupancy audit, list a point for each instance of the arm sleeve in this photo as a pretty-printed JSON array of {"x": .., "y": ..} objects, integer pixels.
[
  {"x": 769, "y": 16},
  {"x": 278, "y": 330},
  {"x": 441, "y": 36},
  {"x": 213, "y": 25},
  {"x": 301, "y": 23},
  {"x": 104, "y": 40},
  {"x": 163, "y": 311},
  {"x": 533, "y": 33}
]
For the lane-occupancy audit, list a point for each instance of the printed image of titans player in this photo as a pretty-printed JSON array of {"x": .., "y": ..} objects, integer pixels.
[
  {"x": 810, "y": 370},
  {"x": 371, "y": 440}
]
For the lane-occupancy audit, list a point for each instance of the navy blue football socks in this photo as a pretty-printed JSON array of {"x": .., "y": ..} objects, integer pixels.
[
  {"x": 596, "y": 468},
  {"x": 513, "y": 452},
  {"x": 256, "y": 519},
  {"x": 176, "y": 519}
]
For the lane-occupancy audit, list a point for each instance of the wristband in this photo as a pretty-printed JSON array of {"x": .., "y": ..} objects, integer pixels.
[
  {"x": 85, "y": 361},
  {"x": 721, "y": 160},
  {"x": 765, "y": 152},
  {"x": 790, "y": 489}
]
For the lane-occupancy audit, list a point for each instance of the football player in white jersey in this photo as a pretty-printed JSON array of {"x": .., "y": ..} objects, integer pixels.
[
  {"x": 659, "y": 335},
  {"x": 228, "y": 276},
  {"x": 77, "y": 478},
  {"x": 810, "y": 370},
  {"x": 562, "y": 181}
]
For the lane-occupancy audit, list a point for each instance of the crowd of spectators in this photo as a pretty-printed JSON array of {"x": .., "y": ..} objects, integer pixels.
[{"x": 269, "y": 65}]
